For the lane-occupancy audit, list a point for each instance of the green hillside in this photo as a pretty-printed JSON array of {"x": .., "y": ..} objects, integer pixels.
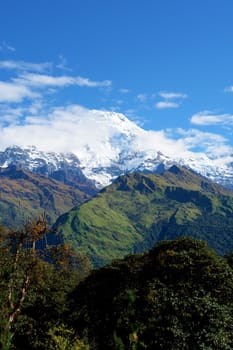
[
  {"x": 25, "y": 195},
  {"x": 137, "y": 210}
]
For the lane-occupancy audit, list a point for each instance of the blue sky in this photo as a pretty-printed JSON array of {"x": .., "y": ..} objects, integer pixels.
[{"x": 165, "y": 64}]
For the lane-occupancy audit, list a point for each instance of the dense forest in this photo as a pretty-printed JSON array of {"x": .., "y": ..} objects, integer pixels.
[{"x": 179, "y": 295}]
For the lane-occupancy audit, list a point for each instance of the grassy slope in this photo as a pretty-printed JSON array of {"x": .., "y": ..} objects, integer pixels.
[
  {"x": 137, "y": 210},
  {"x": 24, "y": 195}
]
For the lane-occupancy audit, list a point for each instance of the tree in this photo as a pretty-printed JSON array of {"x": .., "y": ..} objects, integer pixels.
[
  {"x": 177, "y": 296},
  {"x": 35, "y": 280},
  {"x": 18, "y": 265},
  {"x": 62, "y": 338}
]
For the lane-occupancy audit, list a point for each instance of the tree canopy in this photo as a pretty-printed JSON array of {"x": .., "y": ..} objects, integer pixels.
[{"x": 177, "y": 296}]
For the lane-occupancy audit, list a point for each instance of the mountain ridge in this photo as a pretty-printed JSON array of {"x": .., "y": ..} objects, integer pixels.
[
  {"x": 58, "y": 166},
  {"x": 137, "y": 210},
  {"x": 68, "y": 169},
  {"x": 25, "y": 195}
]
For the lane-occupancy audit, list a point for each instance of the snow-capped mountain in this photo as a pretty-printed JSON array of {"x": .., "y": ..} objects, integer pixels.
[
  {"x": 33, "y": 159},
  {"x": 59, "y": 166},
  {"x": 107, "y": 145}
]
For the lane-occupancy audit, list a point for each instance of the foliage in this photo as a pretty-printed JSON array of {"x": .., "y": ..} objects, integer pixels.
[
  {"x": 34, "y": 284},
  {"x": 178, "y": 296},
  {"x": 61, "y": 338},
  {"x": 19, "y": 264}
]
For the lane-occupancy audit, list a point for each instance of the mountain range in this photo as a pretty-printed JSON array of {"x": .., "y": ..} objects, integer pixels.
[
  {"x": 118, "y": 193},
  {"x": 109, "y": 145}
]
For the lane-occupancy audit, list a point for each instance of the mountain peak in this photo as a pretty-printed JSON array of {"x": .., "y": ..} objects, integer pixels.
[{"x": 174, "y": 169}]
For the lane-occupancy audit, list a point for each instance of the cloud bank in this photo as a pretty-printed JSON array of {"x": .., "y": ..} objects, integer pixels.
[
  {"x": 29, "y": 117},
  {"x": 74, "y": 128}
]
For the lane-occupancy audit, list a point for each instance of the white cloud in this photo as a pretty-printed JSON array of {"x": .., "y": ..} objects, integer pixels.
[
  {"x": 159, "y": 141},
  {"x": 30, "y": 81},
  {"x": 43, "y": 80},
  {"x": 35, "y": 108},
  {"x": 166, "y": 104},
  {"x": 10, "y": 92},
  {"x": 72, "y": 128},
  {"x": 64, "y": 129},
  {"x": 195, "y": 137},
  {"x": 9, "y": 47},
  {"x": 172, "y": 95},
  {"x": 6, "y": 47},
  {"x": 142, "y": 97},
  {"x": 124, "y": 91},
  {"x": 119, "y": 102},
  {"x": 10, "y": 115},
  {"x": 229, "y": 89},
  {"x": 209, "y": 118},
  {"x": 63, "y": 63},
  {"x": 25, "y": 66},
  {"x": 211, "y": 144},
  {"x": 171, "y": 100}
]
